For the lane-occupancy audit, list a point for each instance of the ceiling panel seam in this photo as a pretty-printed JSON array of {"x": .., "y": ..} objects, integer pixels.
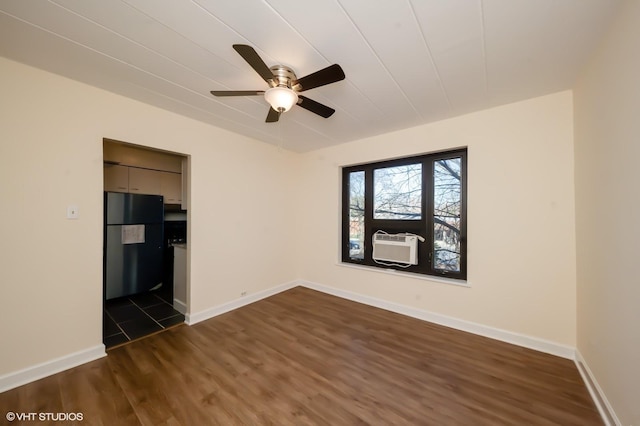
[
  {"x": 128, "y": 65},
  {"x": 181, "y": 35},
  {"x": 294, "y": 29},
  {"x": 374, "y": 53},
  {"x": 262, "y": 54},
  {"x": 135, "y": 43},
  {"x": 484, "y": 47},
  {"x": 266, "y": 135},
  {"x": 430, "y": 54},
  {"x": 202, "y": 95},
  {"x": 103, "y": 54}
]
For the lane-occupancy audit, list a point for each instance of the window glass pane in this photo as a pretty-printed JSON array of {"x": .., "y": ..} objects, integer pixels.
[
  {"x": 397, "y": 192},
  {"x": 447, "y": 208},
  {"x": 356, "y": 215}
]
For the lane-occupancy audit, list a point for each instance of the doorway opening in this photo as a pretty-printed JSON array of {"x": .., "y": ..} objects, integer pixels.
[{"x": 146, "y": 194}]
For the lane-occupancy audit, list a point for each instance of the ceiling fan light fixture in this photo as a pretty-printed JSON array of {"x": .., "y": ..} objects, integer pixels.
[
  {"x": 281, "y": 98},
  {"x": 284, "y": 85}
]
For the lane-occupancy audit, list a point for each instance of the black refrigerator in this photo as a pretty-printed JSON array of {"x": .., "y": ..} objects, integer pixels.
[{"x": 133, "y": 249}]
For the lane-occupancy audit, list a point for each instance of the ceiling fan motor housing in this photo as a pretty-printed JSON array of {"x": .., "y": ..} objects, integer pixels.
[{"x": 283, "y": 76}]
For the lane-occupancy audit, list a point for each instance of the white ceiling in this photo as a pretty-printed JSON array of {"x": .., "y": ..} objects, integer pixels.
[{"x": 407, "y": 62}]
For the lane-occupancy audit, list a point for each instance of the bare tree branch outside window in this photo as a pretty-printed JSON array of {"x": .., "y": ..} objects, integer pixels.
[
  {"x": 397, "y": 192},
  {"x": 447, "y": 197},
  {"x": 356, "y": 215}
]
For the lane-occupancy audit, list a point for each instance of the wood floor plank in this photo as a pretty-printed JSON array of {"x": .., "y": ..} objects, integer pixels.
[
  {"x": 302, "y": 357},
  {"x": 92, "y": 388}
]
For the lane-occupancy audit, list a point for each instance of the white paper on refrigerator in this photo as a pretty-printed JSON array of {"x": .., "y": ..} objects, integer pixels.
[{"x": 132, "y": 234}]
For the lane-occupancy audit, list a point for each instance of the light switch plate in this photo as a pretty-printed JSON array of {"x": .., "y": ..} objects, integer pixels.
[{"x": 72, "y": 212}]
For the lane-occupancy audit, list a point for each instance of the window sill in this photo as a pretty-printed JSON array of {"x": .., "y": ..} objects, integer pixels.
[{"x": 397, "y": 273}]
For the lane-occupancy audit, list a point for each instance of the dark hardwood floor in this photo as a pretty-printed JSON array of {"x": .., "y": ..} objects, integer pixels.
[{"x": 304, "y": 357}]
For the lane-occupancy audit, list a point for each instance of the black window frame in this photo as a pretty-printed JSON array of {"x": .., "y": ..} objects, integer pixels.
[{"x": 423, "y": 227}]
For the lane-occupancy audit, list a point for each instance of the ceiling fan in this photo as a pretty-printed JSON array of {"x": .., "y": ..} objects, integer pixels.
[{"x": 284, "y": 86}]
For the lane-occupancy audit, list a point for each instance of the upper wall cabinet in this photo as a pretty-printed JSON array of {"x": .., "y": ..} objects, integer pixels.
[
  {"x": 171, "y": 187},
  {"x": 119, "y": 153},
  {"x": 144, "y": 181},
  {"x": 144, "y": 171},
  {"x": 116, "y": 178}
]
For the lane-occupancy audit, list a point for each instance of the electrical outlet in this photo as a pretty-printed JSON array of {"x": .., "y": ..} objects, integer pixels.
[{"x": 244, "y": 293}]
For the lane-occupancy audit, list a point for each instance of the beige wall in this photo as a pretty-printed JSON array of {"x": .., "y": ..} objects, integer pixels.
[
  {"x": 521, "y": 238},
  {"x": 607, "y": 150},
  {"x": 51, "y": 132}
]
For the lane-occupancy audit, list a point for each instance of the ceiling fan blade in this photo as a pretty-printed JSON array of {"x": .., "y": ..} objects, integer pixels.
[
  {"x": 315, "y": 107},
  {"x": 327, "y": 75},
  {"x": 272, "y": 116},
  {"x": 237, "y": 92},
  {"x": 253, "y": 59}
]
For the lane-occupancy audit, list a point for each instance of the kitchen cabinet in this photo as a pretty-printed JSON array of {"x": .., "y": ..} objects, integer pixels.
[
  {"x": 116, "y": 178},
  {"x": 144, "y": 181},
  {"x": 138, "y": 170},
  {"x": 137, "y": 180},
  {"x": 171, "y": 187},
  {"x": 129, "y": 155}
]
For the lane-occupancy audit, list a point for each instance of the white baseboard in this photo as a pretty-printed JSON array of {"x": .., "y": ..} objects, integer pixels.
[
  {"x": 39, "y": 371},
  {"x": 180, "y": 306},
  {"x": 598, "y": 396},
  {"x": 518, "y": 339},
  {"x": 238, "y": 303}
]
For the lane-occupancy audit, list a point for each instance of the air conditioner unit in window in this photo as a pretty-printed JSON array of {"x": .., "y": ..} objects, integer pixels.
[{"x": 396, "y": 248}]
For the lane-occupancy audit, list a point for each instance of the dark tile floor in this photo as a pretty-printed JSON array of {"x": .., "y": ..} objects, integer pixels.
[{"x": 129, "y": 318}]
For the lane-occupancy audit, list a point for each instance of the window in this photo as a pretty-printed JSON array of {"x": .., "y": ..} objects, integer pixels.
[
  {"x": 423, "y": 195},
  {"x": 397, "y": 192}
]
